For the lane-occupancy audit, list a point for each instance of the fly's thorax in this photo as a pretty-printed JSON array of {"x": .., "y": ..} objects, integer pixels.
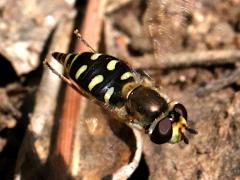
[{"x": 145, "y": 105}]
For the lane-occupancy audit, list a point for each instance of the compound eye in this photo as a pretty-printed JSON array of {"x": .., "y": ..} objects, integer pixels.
[
  {"x": 179, "y": 108},
  {"x": 162, "y": 132}
]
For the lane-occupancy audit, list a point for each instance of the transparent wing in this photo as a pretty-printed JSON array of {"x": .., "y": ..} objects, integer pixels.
[{"x": 166, "y": 20}]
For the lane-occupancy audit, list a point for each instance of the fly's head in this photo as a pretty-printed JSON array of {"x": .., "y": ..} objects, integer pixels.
[{"x": 172, "y": 126}]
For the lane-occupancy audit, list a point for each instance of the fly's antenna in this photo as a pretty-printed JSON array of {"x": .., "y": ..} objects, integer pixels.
[
  {"x": 185, "y": 139},
  {"x": 192, "y": 131},
  {"x": 80, "y": 37}
]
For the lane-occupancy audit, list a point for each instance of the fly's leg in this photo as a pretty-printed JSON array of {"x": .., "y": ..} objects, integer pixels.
[{"x": 64, "y": 78}]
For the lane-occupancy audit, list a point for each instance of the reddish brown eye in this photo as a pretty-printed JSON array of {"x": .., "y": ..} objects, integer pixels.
[
  {"x": 162, "y": 132},
  {"x": 179, "y": 108}
]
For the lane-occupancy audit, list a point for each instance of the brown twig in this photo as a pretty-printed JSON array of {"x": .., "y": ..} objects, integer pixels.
[
  {"x": 187, "y": 59},
  {"x": 66, "y": 142},
  {"x": 116, "y": 5},
  {"x": 220, "y": 83}
]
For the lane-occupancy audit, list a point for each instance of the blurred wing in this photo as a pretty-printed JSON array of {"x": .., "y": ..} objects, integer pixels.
[{"x": 166, "y": 20}]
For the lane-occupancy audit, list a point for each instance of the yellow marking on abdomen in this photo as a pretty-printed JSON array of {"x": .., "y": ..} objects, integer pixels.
[
  {"x": 66, "y": 60},
  {"x": 80, "y": 71},
  {"x": 111, "y": 65},
  {"x": 126, "y": 75},
  {"x": 95, "y": 81},
  {"x": 95, "y": 56},
  {"x": 74, "y": 59},
  {"x": 128, "y": 88},
  {"x": 108, "y": 94}
]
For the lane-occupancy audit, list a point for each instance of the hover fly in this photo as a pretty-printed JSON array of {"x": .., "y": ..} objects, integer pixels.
[{"x": 133, "y": 97}]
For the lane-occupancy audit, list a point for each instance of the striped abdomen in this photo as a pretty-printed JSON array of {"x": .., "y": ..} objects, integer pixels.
[{"x": 103, "y": 76}]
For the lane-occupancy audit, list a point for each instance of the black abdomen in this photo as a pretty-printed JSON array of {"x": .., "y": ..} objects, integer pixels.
[{"x": 103, "y": 76}]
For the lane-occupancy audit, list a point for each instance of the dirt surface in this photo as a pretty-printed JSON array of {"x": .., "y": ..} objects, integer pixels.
[{"x": 148, "y": 36}]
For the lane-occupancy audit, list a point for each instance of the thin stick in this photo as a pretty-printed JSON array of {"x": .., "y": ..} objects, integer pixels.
[
  {"x": 187, "y": 59},
  {"x": 79, "y": 36},
  {"x": 220, "y": 83},
  {"x": 66, "y": 137}
]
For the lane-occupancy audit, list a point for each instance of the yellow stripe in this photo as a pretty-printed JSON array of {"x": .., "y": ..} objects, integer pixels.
[
  {"x": 111, "y": 65},
  {"x": 74, "y": 59},
  {"x": 108, "y": 94},
  {"x": 126, "y": 75},
  {"x": 95, "y": 56},
  {"x": 80, "y": 71},
  {"x": 95, "y": 81},
  {"x": 66, "y": 60}
]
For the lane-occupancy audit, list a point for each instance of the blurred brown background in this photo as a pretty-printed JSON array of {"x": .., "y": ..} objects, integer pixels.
[{"x": 48, "y": 131}]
